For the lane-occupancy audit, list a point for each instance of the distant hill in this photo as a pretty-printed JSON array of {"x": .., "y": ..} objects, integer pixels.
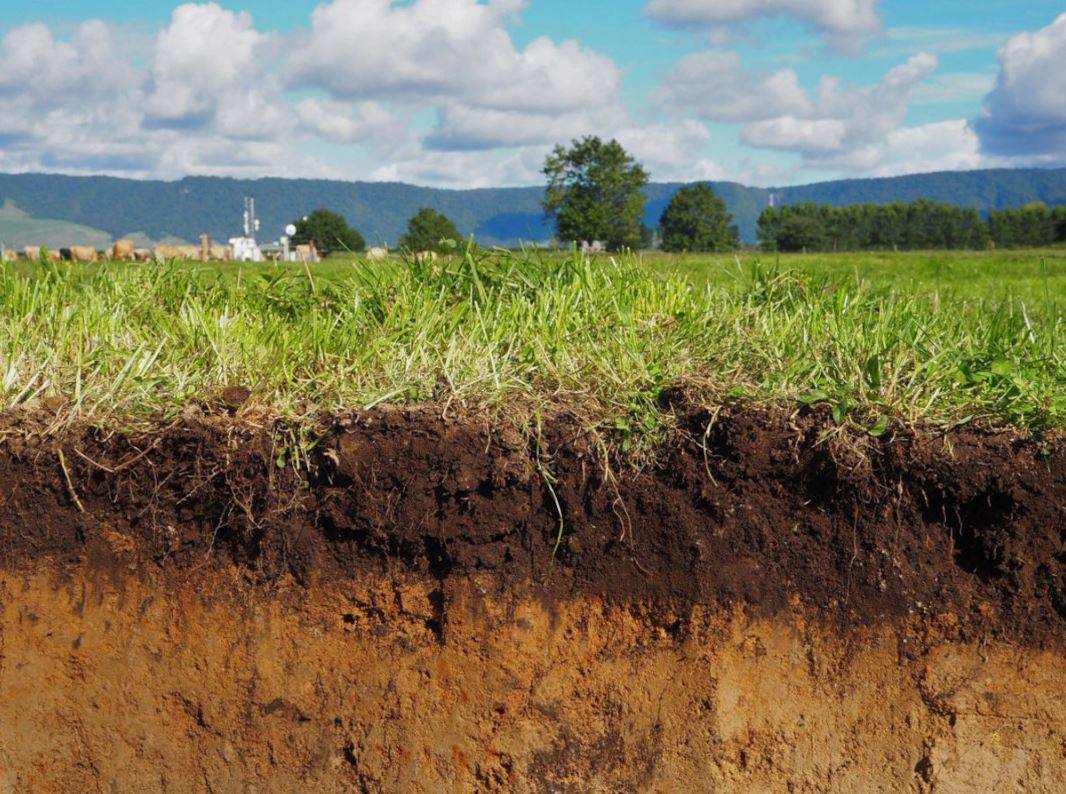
[
  {"x": 497, "y": 216},
  {"x": 18, "y": 228}
]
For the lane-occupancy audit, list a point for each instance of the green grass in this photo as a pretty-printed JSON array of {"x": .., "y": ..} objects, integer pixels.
[
  {"x": 968, "y": 275},
  {"x": 904, "y": 337}
]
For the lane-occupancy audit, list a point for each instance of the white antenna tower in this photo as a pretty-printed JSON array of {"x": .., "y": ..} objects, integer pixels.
[
  {"x": 246, "y": 249},
  {"x": 251, "y": 223},
  {"x": 773, "y": 200}
]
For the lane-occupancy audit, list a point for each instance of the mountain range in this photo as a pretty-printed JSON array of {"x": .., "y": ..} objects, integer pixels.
[{"x": 57, "y": 210}]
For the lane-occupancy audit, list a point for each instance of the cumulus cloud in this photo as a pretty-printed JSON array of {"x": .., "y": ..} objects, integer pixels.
[
  {"x": 846, "y": 23},
  {"x": 714, "y": 86},
  {"x": 459, "y": 56},
  {"x": 1024, "y": 116},
  {"x": 954, "y": 87},
  {"x": 211, "y": 93},
  {"x": 840, "y": 126},
  {"x": 499, "y": 167},
  {"x": 465, "y": 128},
  {"x": 812, "y": 137},
  {"x": 446, "y": 50},
  {"x": 667, "y": 151},
  {"x": 672, "y": 152},
  {"x": 34, "y": 64},
  {"x": 940, "y": 146},
  {"x": 208, "y": 64},
  {"x": 214, "y": 94},
  {"x": 339, "y": 122},
  {"x": 84, "y": 106},
  {"x": 843, "y": 119}
]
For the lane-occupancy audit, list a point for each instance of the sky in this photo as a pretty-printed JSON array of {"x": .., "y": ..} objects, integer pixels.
[{"x": 475, "y": 93}]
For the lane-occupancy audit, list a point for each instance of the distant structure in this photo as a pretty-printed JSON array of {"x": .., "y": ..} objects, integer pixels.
[
  {"x": 773, "y": 200},
  {"x": 246, "y": 249}
]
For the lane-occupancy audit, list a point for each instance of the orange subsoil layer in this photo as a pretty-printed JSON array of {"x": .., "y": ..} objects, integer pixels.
[{"x": 214, "y": 684}]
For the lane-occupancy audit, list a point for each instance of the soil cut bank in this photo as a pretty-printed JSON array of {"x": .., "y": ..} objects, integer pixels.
[{"x": 416, "y": 603}]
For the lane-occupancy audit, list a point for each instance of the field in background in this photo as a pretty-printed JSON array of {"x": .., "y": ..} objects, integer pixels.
[
  {"x": 970, "y": 275},
  {"x": 989, "y": 275},
  {"x": 880, "y": 337}
]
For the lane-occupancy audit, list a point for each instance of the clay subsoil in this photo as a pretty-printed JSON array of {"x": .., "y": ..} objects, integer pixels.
[{"x": 411, "y": 602}]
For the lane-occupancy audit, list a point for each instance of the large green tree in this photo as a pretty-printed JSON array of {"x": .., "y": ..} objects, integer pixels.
[
  {"x": 429, "y": 230},
  {"x": 329, "y": 231},
  {"x": 595, "y": 192},
  {"x": 696, "y": 219}
]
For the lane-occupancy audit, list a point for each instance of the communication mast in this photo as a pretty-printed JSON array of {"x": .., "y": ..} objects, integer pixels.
[
  {"x": 246, "y": 249},
  {"x": 251, "y": 223}
]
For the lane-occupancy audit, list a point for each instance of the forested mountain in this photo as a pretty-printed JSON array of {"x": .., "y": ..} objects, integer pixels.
[{"x": 379, "y": 210}]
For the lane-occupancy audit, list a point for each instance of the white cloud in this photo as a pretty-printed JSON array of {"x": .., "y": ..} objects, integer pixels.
[
  {"x": 862, "y": 129},
  {"x": 33, "y": 63},
  {"x": 940, "y": 146},
  {"x": 1025, "y": 115},
  {"x": 810, "y": 136},
  {"x": 457, "y": 55},
  {"x": 954, "y": 87},
  {"x": 840, "y": 126},
  {"x": 446, "y": 50},
  {"x": 844, "y": 119},
  {"x": 345, "y": 123},
  {"x": 667, "y": 151},
  {"x": 672, "y": 152},
  {"x": 199, "y": 105},
  {"x": 465, "y": 128},
  {"x": 207, "y": 64},
  {"x": 902, "y": 40},
  {"x": 211, "y": 93},
  {"x": 521, "y": 166},
  {"x": 846, "y": 23},
  {"x": 714, "y": 86}
]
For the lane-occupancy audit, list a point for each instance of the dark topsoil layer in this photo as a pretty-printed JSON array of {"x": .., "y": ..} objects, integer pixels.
[{"x": 741, "y": 505}]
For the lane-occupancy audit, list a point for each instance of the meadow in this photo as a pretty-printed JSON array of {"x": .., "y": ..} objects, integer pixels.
[{"x": 942, "y": 337}]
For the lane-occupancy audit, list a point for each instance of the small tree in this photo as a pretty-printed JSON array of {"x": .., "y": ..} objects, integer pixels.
[
  {"x": 329, "y": 231},
  {"x": 595, "y": 192},
  {"x": 696, "y": 219},
  {"x": 428, "y": 230}
]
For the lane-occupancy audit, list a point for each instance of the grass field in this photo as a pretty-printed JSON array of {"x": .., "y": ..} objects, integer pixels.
[
  {"x": 943, "y": 337},
  {"x": 968, "y": 275}
]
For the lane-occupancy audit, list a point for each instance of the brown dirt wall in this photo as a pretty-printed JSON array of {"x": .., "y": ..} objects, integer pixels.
[{"x": 772, "y": 604}]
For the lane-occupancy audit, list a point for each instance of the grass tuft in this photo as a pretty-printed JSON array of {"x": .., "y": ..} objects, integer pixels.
[{"x": 520, "y": 333}]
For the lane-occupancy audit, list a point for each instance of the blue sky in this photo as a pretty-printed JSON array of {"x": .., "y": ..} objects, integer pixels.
[{"x": 474, "y": 92}]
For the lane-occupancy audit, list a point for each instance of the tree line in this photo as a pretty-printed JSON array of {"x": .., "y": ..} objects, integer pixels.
[
  {"x": 595, "y": 192},
  {"x": 912, "y": 225}
]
